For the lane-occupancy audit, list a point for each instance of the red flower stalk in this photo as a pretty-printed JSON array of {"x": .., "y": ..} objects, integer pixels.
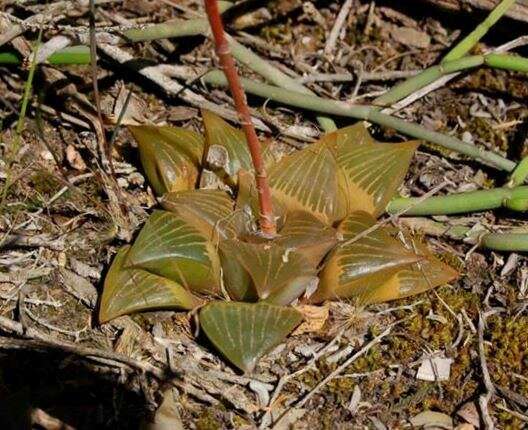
[{"x": 267, "y": 221}]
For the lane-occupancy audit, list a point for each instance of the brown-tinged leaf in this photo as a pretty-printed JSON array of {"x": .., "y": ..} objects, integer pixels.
[
  {"x": 244, "y": 332},
  {"x": 237, "y": 280},
  {"x": 308, "y": 235},
  {"x": 363, "y": 261},
  {"x": 219, "y": 132},
  {"x": 170, "y": 156},
  {"x": 170, "y": 246},
  {"x": 370, "y": 172},
  {"x": 211, "y": 211},
  {"x": 307, "y": 180},
  {"x": 428, "y": 273},
  {"x": 277, "y": 274},
  {"x": 133, "y": 290}
]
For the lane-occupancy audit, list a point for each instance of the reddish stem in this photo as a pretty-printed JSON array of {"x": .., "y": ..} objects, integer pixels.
[{"x": 267, "y": 221}]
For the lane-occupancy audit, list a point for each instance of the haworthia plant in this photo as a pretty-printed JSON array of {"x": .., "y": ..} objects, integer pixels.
[{"x": 204, "y": 246}]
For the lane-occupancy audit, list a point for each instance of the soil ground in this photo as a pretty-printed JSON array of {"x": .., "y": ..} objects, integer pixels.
[{"x": 64, "y": 218}]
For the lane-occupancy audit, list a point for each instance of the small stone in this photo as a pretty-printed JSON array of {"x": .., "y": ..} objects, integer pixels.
[
  {"x": 62, "y": 259},
  {"x": 435, "y": 369}
]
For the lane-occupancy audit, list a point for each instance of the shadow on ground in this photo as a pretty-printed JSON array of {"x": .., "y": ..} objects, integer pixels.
[{"x": 65, "y": 389}]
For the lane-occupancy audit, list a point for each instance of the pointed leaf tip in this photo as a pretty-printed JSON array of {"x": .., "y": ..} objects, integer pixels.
[
  {"x": 219, "y": 132},
  {"x": 170, "y": 156},
  {"x": 244, "y": 332},
  {"x": 363, "y": 260},
  {"x": 370, "y": 172},
  {"x": 132, "y": 290},
  {"x": 268, "y": 270}
]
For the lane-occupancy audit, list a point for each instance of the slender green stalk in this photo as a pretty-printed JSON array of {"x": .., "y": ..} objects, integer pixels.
[
  {"x": 28, "y": 86},
  {"x": 510, "y": 62},
  {"x": 511, "y": 242},
  {"x": 9, "y": 58},
  {"x": 368, "y": 113},
  {"x": 79, "y": 54},
  {"x": 424, "y": 78},
  {"x": 473, "y": 201},
  {"x": 465, "y": 45},
  {"x": 176, "y": 28},
  {"x": 431, "y": 74},
  {"x": 520, "y": 173},
  {"x": 516, "y": 240},
  {"x": 498, "y": 61},
  {"x": 274, "y": 75}
]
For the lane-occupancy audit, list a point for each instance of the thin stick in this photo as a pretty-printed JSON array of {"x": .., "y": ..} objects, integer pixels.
[
  {"x": 490, "y": 389},
  {"x": 103, "y": 146},
  {"x": 267, "y": 221},
  {"x": 367, "y": 347},
  {"x": 338, "y": 25}
]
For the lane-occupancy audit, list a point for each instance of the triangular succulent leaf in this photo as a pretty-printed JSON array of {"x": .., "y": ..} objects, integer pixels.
[
  {"x": 244, "y": 332},
  {"x": 133, "y": 290},
  {"x": 170, "y": 246}
]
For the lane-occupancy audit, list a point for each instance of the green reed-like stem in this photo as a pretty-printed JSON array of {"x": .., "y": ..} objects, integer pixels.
[
  {"x": 515, "y": 240},
  {"x": 465, "y": 45},
  {"x": 71, "y": 55},
  {"x": 13, "y": 151},
  {"x": 520, "y": 173},
  {"x": 324, "y": 106},
  {"x": 431, "y": 74},
  {"x": 176, "y": 28},
  {"x": 498, "y": 61},
  {"x": 473, "y": 201}
]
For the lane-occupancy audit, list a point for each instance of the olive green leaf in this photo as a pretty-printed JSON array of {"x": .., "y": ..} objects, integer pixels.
[
  {"x": 170, "y": 246},
  {"x": 247, "y": 198},
  {"x": 211, "y": 211},
  {"x": 365, "y": 259},
  {"x": 308, "y": 235},
  {"x": 218, "y": 132},
  {"x": 133, "y": 290},
  {"x": 428, "y": 273},
  {"x": 277, "y": 274},
  {"x": 370, "y": 172},
  {"x": 237, "y": 280},
  {"x": 170, "y": 156},
  {"x": 307, "y": 181},
  {"x": 244, "y": 332}
]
